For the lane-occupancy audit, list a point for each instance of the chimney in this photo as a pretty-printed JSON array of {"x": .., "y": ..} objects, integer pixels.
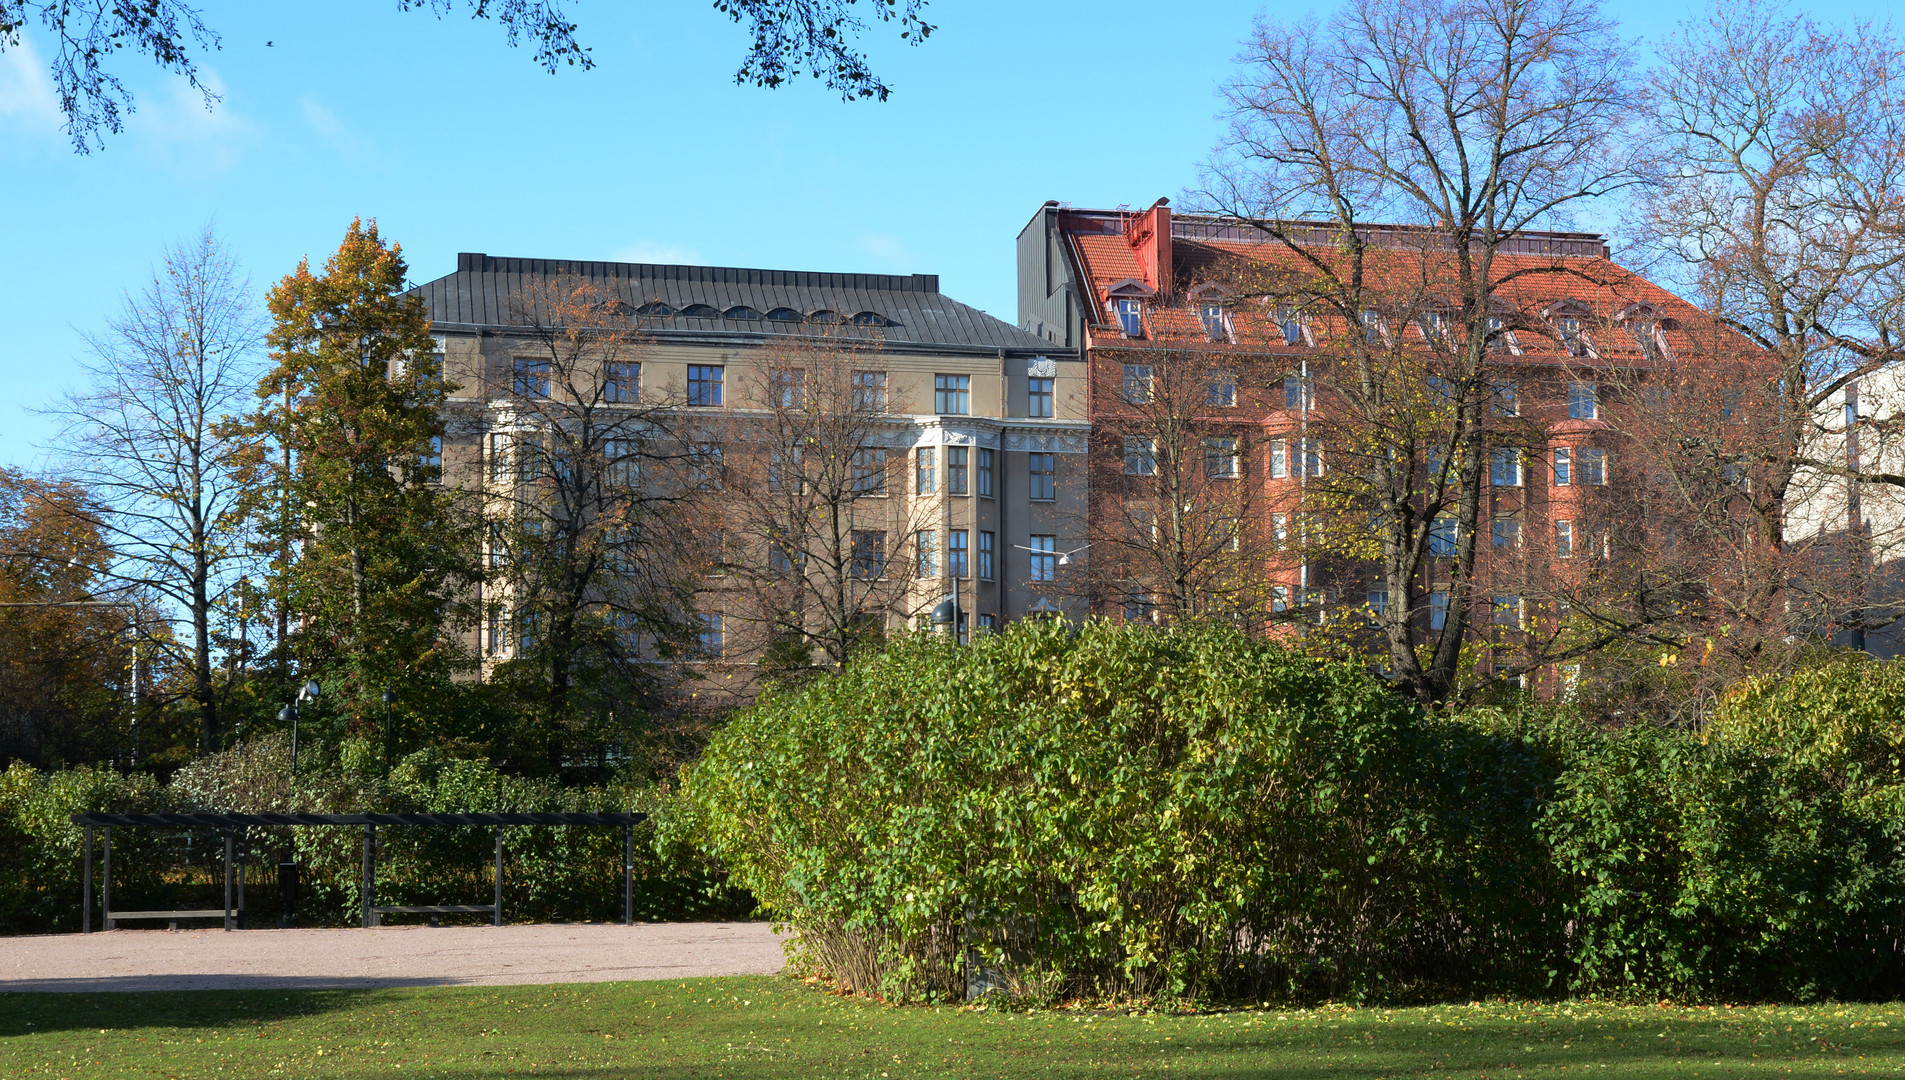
[{"x": 1150, "y": 240}]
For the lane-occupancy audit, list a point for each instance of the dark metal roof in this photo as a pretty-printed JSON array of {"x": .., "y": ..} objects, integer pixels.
[{"x": 486, "y": 292}]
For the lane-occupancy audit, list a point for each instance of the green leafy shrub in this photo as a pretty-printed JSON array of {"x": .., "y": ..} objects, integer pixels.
[
  {"x": 1108, "y": 810},
  {"x": 40, "y": 847},
  {"x": 1709, "y": 872},
  {"x": 1845, "y": 718}
]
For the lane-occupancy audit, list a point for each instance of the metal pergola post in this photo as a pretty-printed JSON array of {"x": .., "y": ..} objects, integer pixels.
[
  {"x": 628, "y": 874},
  {"x": 496, "y": 914},
  {"x": 105, "y": 882},
  {"x": 228, "y": 879},
  {"x": 86, "y": 887},
  {"x": 370, "y": 876}
]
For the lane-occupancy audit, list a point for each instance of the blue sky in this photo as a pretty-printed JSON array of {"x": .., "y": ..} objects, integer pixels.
[{"x": 455, "y": 142}]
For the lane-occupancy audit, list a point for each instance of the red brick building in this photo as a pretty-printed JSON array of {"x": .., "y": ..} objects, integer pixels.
[{"x": 1240, "y": 331}]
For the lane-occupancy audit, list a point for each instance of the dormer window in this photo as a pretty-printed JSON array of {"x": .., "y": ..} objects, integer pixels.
[
  {"x": 1434, "y": 326},
  {"x": 1127, "y": 297},
  {"x": 742, "y": 312},
  {"x": 825, "y": 316},
  {"x": 1375, "y": 331},
  {"x": 1216, "y": 321},
  {"x": 1573, "y": 339},
  {"x": 699, "y": 311},
  {"x": 1130, "y": 317},
  {"x": 655, "y": 309},
  {"x": 1500, "y": 338},
  {"x": 869, "y": 318},
  {"x": 782, "y": 314},
  {"x": 1292, "y": 327}
]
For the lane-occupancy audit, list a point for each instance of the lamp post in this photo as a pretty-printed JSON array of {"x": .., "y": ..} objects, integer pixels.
[
  {"x": 289, "y": 714},
  {"x": 946, "y": 613}
]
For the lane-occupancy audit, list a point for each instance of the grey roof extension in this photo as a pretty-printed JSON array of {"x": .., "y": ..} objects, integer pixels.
[{"x": 488, "y": 292}]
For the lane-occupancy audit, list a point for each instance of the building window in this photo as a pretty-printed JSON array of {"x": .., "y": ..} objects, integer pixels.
[
  {"x": 1438, "y": 609},
  {"x": 1220, "y": 458},
  {"x": 1507, "y": 610},
  {"x": 925, "y": 474},
  {"x": 1137, "y": 607},
  {"x": 926, "y": 542},
  {"x": 1279, "y": 598},
  {"x": 1312, "y": 457},
  {"x": 1044, "y": 559},
  {"x": 498, "y": 458},
  {"x": 1280, "y": 530},
  {"x": 869, "y": 391},
  {"x": 433, "y": 455},
  {"x": 787, "y": 388},
  {"x": 528, "y": 631},
  {"x": 1507, "y": 399},
  {"x": 493, "y": 643},
  {"x": 1039, "y": 397},
  {"x": 986, "y": 541},
  {"x": 956, "y": 457},
  {"x": 869, "y": 471},
  {"x": 705, "y": 385},
  {"x": 1443, "y": 534},
  {"x": 1434, "y": 326},
  {"x": 1506, "y": 534},
  {"x": 783, "y": 471},
  {"x": 623, "y": 384},
  {"x": 1504, "y": 467},
  {"x": 952, "y": 395},
  {"x": 1291, "y": 325},
  {"x": 1500, "y": 338},
  {"x": 1279, "y": 459},
  {"x": 1563, "y": 467},
  {"x": 1216, "y": 322},
  {"x": 528, "y": 458},
  {"x": 1131, "y": 317},
  {"x": 1571, "y": 337},
  {"x": 869, "y": 554},
  {"x": 1564, "y": 539},
  {"x": 1137, "y": 384},
  {"x": 956, "y": 552},
  {"x": 1583, "y": 401},
  {"x": 1222, "y": 391},
  {"x": 985, "y": 473},
  {"x": 498, "y": 549},
  {"x": 1593, "y": 465},
  {"x": 706, "y": 464},
  {"x": 1374, "y": 332},
  {"x": 531, "y": 379},
  {"x": 713, "y": 635},
  {"x": 1040, "y": 467},
  {"x": 621, "y": 463},
  {"x": 1295, "y": 397},
  {"x": 1377, "y": 601},
  {"x": 1140, "y": 456},
  {"x": 781, "y": 314}
]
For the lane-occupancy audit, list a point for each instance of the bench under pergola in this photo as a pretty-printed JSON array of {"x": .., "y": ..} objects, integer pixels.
[{"x": 233, "y": 827}]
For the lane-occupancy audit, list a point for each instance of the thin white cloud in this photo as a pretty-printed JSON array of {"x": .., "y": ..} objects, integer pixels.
[
  {"x": 655, "y": 251},
  {"x": 27, "y": 99},
  {"x": 175, "y": 128},
  {"x": 887, "y": 252},
  {"x": 329, "y": 128}
]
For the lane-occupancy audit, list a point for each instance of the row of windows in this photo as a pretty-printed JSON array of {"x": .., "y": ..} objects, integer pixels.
[
  {"x": 1572, "y": 466},
  {"x": 787, "y": 388},
  {"x": 1435, "y": 328},
  {"x": 1299, "y": 394}
]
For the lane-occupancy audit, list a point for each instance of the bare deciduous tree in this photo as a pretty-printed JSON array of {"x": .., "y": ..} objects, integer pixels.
[
  {"x": 593, "y": 525},
  {"x": 822, "y": 521},
  {"x": 152, "y": 436},
  {"x": 1470, "y": 121}
]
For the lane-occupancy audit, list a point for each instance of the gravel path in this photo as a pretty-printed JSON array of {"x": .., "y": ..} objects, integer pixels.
[{"x": 384, "y": 956}]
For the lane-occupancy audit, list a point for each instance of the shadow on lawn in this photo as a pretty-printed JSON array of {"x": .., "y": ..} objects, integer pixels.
[{"x": 239, "y": 1000}]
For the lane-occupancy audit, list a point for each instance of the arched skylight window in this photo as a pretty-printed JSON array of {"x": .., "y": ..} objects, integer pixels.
[
  {"x": 784, "y": 314},
  {"x": 743, "y": 312},
  {"x": 870, "y": 318},
  {"x": 824, "y": 316},
  {"x": 699, "y": 311},
  {"x": 655, "y": 309}
]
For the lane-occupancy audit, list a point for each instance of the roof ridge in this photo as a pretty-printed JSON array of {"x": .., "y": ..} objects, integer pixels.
[{"x": 479, "y": 262}]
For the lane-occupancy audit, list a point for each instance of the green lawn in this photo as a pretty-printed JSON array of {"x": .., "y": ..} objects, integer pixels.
[{"x": 767, "y": 1027}]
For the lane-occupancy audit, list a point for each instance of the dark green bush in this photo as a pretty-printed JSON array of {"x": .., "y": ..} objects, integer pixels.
[{"x": 1108, "y": 810}]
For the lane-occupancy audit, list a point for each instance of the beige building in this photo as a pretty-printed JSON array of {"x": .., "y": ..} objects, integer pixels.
[{"x": 975, "y": 471}]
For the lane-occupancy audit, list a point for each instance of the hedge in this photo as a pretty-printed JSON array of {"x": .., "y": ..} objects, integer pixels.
[{"x": 1113, "y": 811}]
